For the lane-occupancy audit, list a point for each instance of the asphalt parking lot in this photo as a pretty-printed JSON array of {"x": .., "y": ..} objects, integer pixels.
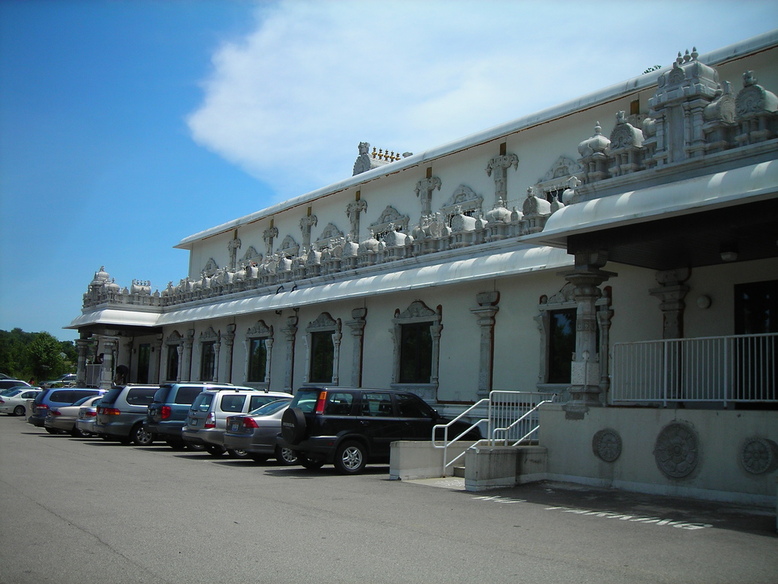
[{"x": 89, "y": 511}]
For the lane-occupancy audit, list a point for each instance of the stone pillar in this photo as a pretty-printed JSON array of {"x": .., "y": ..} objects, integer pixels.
[
  {"x": 354, "y": 210},
  {"x": 110, "y": 347},
  {"x": 671, "y": 293},
  {"x": 499, "y": 166},
  {"x": 185, "y": 357},
  {"x": 604, "y": 316},
  {"x": 358, "y": 332},
  {"x": 155, "y": 360},
  {"x": 485, "y": 311},
  {"x": 585, "y": 389},
  {"x": 336, "y": 338},
  {"x": 290, "y": 332},
  {"x": 82, "y": 347},
  {"x": 228, "y": 339},
  {"x": 216, "y": 358}
]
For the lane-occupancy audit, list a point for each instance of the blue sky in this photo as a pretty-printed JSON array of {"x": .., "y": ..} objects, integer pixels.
[{"x": 127, "y": 125}]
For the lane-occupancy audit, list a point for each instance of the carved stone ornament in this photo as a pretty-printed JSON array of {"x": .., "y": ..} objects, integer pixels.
[
  {"x": 606, "y": 445},
  {"x": 391, "y": 218},
  {"x": 759, "y": 455},
  {"x": 677, "y": 450}
]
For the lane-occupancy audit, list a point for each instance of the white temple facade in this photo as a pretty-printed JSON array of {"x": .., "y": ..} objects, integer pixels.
[{"x": 620, "y": 251}]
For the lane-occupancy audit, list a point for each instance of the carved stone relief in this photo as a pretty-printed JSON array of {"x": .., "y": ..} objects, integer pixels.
[
  {"x": 606, "y": 445},
  {"x": 463, "y": 201},
  {"x": 390, "y": 219},
  {"x": 677, "y": 450},
  {"x": 759, "y": 455}
]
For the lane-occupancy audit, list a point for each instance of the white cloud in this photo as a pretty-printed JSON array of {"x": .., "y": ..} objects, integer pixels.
[{"x": 290, "y": 102}]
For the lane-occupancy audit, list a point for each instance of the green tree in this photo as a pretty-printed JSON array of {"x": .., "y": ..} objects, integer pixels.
[
  {"x": 45, "y": 357},
  {"x": 26, "y": 355}
]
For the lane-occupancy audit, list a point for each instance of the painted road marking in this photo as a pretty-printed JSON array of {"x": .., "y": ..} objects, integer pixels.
[{"x": 603, "y": 514}]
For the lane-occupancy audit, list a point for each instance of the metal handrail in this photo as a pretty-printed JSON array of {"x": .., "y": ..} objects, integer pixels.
[
  {"x": 491, "y": 432},
  {"x": 517, "y": 422}
]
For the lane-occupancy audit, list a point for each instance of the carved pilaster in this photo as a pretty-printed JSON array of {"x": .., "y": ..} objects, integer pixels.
[
  {"x": 268, "y": 236},
  {"x": 671, "y": 293},
  {"x": 110, "y": 347},
  {"x": 306, "y": 223},
  {"x": 185, "y": 356},
  {"x": 156, "y": 360},
  {"x": 354, "y": 212},
  {"x": 498, "y": 166},
  {"x": 485, "y": 311},
  {"x": 424, "y": 190},
  {"x": 82, "y": 348},
  {"x": 585, "y": 387},
  {"x": 233, "y": 246},
  {"x": 228, "y": 340},
  {"x": 357, "y": 327},
  {"x": 290, "y": 333}
]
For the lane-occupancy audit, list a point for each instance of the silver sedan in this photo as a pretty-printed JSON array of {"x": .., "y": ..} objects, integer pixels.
[{"x": 254, "y": 434}]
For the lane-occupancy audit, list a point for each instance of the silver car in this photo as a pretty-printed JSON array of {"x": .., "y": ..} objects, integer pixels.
[
  {"x": 62, "y": 419},
  {"x": 207, "y": 417},
  {"x": 255, "y": 433}
]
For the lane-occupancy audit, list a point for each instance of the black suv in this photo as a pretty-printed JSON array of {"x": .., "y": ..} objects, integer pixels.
[{"x": 351, "y": 427}]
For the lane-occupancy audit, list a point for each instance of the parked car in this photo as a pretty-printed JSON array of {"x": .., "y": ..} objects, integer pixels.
[
  {"x": 86, "y": 419},
  {"x": 168, "y": 411},
  {"x": 14, "y": 401},
  {"x": 122, "y": 414},
  {"x": 66, "y": 380},
  {"x": 62, "y": 419},
  {"x": 207, "y": 418},
  {"x": 351, "y": 427},
  {"x": 255, "y": 433},
  {"x": 13, "y": 383},
  {"x": 56, "y": 397}
]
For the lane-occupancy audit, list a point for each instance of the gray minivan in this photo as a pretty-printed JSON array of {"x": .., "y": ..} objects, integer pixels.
[{"x": 122, "y": 414}]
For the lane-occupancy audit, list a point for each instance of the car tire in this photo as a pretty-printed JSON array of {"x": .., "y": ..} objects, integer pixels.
[
  {"x": 293, "y": 425},
  {"x": 140, "y": 435},
  {"x": 176, "y": 444},
  {"x": 309, "y": 463},
  {"x": 286, "y": 456},
  {"x": 52, "y": 431},
  {"x": 19, "y": 411},
  {"x": 237, "y": 453},
  {"x": 76, "y": 433},
  {"x": 259, "y": 458},
  {"x": 215, "y": 450},
  {"x": 350, "y": 457}
]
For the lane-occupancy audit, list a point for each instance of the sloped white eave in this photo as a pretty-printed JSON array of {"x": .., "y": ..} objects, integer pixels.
[
  {"x": 722, "y": 189},
  {"x": 477, "y": 268},
  {"x": 116, "y": 316}
]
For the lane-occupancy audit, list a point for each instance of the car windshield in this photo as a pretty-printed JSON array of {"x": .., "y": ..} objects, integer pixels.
[
  {"x": 270, "y": 408},
  {"x": 203, "y": 402},
  {"x": 12, "y": 391},
  {"x": 82, "y": 400},
  {"x": 111, "y": 396},
  {"x": 305, "y": 399}
]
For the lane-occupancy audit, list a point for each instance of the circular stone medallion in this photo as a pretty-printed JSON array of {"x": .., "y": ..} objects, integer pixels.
[
  {"x": 677, "y": 450},
  {"x": 606, "y": 445}
]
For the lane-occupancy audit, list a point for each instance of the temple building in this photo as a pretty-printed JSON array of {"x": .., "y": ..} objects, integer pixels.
[{"x": 619, "y": 251}]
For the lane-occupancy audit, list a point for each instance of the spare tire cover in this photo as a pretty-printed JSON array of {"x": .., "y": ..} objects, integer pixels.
[{"x": 293, "y": 425}]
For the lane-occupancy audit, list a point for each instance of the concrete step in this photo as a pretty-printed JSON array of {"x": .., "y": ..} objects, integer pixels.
[{"x": 459, "y": 471}]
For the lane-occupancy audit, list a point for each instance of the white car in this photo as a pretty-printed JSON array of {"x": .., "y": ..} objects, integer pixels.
[
  {"x": 63, "y": 419},
  {"x": 14, "y": 402}
]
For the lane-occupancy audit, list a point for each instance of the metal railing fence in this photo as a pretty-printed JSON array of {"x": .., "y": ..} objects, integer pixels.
[{"x": 736, "y": 368}]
